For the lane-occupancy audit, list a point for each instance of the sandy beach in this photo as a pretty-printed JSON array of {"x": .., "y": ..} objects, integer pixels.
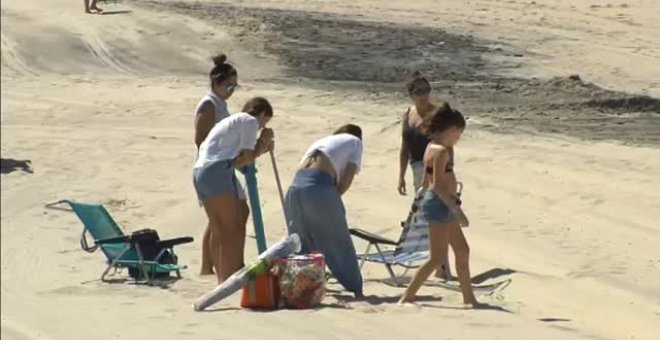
[{"x": 560, "y": 159}]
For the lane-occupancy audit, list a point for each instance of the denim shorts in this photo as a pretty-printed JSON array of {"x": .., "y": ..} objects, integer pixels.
[
  {"x": 215, "y": 179},
  {"x": 434, "y": 209}
]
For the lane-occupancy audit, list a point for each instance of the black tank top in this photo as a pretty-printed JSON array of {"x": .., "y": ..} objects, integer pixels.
[{"x": 416, "y": 141}]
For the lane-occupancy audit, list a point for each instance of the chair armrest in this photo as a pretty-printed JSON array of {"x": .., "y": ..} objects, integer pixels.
[
  {"x": 371, "y": 237},
  {"x": 175, "y": 241},
  {"x": 118, "y": 239}
]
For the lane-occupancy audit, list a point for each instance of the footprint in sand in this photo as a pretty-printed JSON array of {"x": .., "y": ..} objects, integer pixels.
[
  {"x": 408, "y": 307},
  {"x": 619, "y": 270},
  {"x": 373, "y": 310}
]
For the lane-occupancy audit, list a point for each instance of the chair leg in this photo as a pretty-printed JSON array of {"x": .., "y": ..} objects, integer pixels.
[
  {"x": 113, "y": 263},
  {"x": 387, "y": 265},
  {"x": 405, "y": 271},
  {"x": 366, "y": 252},
  {"x": 143, "y": 273},
  {"x": 105, "y": 272},
  {"x": 150, "y": 278},
  {"x": 393, "y": 276}
]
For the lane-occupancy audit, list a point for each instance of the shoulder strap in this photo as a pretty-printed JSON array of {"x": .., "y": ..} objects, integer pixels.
[{"x": 214, "y": 98}]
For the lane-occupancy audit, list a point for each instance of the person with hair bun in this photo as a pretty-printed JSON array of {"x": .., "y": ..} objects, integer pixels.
[
  {"x": 211, "y": 109},
  {"x": 439, "y": 205}
]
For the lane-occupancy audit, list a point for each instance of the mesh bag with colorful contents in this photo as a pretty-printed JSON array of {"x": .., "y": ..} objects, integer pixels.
[{"x": 302, "y": 280}]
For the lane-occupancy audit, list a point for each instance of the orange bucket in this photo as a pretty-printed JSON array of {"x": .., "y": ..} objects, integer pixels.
[{"x": 263, "y": 292}]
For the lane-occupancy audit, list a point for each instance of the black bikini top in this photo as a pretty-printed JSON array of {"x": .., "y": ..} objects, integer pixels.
[{"x": 450, "y": 163}]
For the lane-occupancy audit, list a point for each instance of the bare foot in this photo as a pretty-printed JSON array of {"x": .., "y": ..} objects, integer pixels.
[
  {"x": 472, "y": 302},
  {"x": 408, "y": 304},
  {"x": 98, "y": 10},
  {"x": 206, "y": 271},
  {"x": 404, "y": 300}
]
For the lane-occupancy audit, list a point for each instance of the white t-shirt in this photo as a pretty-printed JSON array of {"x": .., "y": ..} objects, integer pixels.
[
  {"x": 228, "y": 138},
  {"x": 341, "y": 149}
]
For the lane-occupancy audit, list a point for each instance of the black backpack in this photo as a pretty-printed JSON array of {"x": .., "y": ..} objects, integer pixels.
[{"x": 148, "y": 243}]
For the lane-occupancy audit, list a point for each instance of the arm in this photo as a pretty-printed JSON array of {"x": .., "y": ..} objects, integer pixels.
[
  {"x": 204, "y": 121},
  {"x": 425, "y": 180},
  {"x": 403, "y": 156},
  {"x": 248, "y": 153},
  {"x": 246, "y": 156},
  {"x": 352, "y": 167},
  {"x": 347, "y": 178},
  {"x": 403, "y": 160}
]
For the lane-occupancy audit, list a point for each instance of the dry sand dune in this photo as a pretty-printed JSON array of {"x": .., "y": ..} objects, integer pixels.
[{"x": 560, "y": 171}]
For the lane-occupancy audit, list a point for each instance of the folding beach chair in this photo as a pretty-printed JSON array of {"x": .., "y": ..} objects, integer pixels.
[
  {"x": 411, "y": 248},
  {"x": 105, "y": 2},
  {"x": 142, "y": 253}
]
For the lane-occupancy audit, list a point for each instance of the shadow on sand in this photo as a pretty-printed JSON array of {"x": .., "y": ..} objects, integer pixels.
[
  {"x": 477, "y": 279},
  {"x": 115, "y": 12}
]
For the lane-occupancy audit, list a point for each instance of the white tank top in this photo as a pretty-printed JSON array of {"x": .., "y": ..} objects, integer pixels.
[
  {"x": 220, "y": 109},
  {"x": 219, "y": 104}
]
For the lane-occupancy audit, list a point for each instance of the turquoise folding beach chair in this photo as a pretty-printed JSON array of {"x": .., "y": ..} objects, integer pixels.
[
  {"x": 411, "y": 248},
  {"x": 105, "y": 2},
  {"x": 124, "y": 251}
]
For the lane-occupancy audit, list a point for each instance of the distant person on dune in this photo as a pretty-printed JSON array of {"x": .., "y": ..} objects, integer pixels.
[
  {"x": 414, "y": 142},
  {"x": 92, "y": 8},
  {"x": 314, "y": 207},
  {"x": 211, "y": 109},
  {"x": 231, "y": 144}
]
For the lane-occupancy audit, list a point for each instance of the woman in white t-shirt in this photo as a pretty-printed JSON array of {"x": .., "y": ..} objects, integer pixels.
[
  {"x": 314, "y": 208},
  {"x": 211, "y": 109},
  {"x": 232, "y": 143}
]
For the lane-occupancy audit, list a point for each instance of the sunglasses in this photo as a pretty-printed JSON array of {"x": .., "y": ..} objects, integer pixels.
[
  {"x": 232, "y": 87},
  {"x": 420, "y": 91}
]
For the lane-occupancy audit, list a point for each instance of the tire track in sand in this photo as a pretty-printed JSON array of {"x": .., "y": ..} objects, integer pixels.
[
  {"x": 100, "y": 50},
  {"x": 12, "y": 59}
]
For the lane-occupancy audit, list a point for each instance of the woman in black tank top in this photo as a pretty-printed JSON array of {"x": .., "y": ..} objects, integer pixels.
[{"x": 414, "y": 142}]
